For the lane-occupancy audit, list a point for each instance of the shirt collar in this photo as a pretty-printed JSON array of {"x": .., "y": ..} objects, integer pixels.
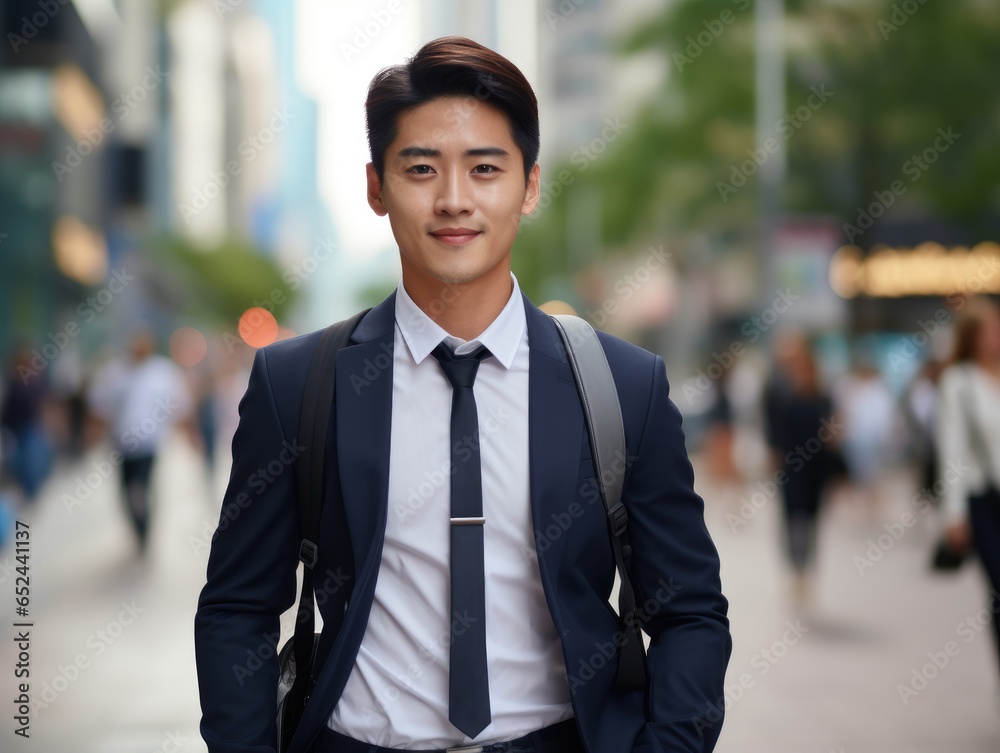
[{"x": 422, "y": 334}]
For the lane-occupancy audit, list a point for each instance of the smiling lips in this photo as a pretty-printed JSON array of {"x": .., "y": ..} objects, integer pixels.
[{"x": 455, "y": 235}]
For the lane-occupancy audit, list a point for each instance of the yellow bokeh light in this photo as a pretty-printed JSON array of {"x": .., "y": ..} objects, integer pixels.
[{"x": 81, "y": 253}]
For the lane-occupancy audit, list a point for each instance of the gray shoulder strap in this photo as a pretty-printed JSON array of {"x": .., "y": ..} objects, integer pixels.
[
  {"x": 600, "y": 403},
  {"x": 603, "y": 416}
]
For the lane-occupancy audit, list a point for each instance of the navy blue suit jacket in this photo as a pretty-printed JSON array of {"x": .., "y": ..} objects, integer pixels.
[{"x": 251, "y": 569}]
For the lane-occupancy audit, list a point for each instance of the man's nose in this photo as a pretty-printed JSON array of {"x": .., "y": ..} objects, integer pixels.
[{"x": 455, "y": 196}]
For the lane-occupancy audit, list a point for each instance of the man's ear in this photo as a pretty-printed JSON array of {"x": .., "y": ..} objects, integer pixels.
[
  {"x": 375, "y": 191},
  {"x": 533, "y": 192}
]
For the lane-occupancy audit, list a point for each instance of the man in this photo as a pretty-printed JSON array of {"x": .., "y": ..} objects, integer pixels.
[
  {"x": 139, "y": 399},
  {"x": 522, "y": 653}
]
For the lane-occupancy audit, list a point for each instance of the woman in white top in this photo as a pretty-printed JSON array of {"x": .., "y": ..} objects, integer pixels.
[{"x": 968, "y": 426}]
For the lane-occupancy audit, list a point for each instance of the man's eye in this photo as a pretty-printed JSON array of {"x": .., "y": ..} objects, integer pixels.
[
  {"x": 489, "y": 169},
  {"x": 420, "y": 169}
]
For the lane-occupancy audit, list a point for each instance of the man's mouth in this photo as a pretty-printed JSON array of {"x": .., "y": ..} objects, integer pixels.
[{"x": 455, "y": 236}]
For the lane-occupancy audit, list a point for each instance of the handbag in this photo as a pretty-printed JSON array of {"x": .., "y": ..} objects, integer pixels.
[
  {"x": 946, "y": 558},
  {"x": 296, "y": 659}
]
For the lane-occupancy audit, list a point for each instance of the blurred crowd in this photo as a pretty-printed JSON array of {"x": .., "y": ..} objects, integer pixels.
[
  {"x": 793, "y": 431},
  {"x": 828, "y": 439},
  {"x": 128, "y": 398}
]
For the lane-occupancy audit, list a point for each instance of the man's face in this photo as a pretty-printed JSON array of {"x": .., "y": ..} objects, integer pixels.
[{"x": 454, "y": 190}]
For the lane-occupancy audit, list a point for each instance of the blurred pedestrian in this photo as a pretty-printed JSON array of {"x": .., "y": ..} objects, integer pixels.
[
  {"x": 69, "y": 386},
  {"x": 872, "y": 423},
  {"x": 138, "y": 399},
  {"x": 28, "y": 448},
  {"x": 920, "y": 405},
  {"x": 969, "y": 439},
  {"x": 798, "y": 414}
]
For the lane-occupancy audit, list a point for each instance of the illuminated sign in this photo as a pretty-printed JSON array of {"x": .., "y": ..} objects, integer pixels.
[{"x": 928, "y": 269}]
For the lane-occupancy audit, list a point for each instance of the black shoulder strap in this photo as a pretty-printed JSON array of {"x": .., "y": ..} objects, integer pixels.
[
  {"x": 317, "y": 402},
  {"x": 603, "y": 415}
]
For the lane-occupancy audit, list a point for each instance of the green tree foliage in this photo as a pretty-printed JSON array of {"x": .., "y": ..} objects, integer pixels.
[
  {"x": 221, "y": 282},
  {"x": 894, "y": 72}
]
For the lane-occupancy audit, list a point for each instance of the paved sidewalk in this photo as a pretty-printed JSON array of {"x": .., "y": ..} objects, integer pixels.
[
  {"x": 112, "y": 644},
  {"x": 828, "y": 679}
]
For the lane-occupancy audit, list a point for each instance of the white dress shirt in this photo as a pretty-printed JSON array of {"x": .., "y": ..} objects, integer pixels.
[
  {"x": 968, "y": 454},
  {"x": 397, "y": 693}
]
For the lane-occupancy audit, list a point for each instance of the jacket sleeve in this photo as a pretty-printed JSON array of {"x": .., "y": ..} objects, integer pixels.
[
  {"x": 679, "y": 593},
  {"x": 251, "y": 580},
  {"x": 958, "y": 467}
]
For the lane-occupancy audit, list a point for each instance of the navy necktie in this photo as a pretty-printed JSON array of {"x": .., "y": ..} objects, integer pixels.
[{"x": 468, "y": 687}]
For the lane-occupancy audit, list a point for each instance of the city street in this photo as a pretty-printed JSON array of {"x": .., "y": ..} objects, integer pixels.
[{"x": 891, "y": 660}]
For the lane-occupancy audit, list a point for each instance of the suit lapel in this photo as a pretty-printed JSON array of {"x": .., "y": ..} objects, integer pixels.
[
  {"x": 364, "y": 414},
  {"x": 555, "y": 433}
]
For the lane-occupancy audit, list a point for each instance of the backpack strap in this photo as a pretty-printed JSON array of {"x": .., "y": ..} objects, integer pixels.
[
  {"x": 603, "y": 416},
  {"x": 314, "y": 420}
]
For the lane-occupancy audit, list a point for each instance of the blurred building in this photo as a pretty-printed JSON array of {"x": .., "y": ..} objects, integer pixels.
[{"x": 56, "y": 184}]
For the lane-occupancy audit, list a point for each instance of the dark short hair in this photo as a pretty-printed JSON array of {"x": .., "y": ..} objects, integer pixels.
[{"x": 451, "y": 67}]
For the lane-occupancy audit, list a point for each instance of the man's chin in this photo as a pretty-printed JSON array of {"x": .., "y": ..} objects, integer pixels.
[{"x": 458, "y": 276}]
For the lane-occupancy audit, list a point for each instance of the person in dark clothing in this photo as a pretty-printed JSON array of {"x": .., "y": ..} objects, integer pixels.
[
  {"x": 800, "y": 431},
  {"x": 27, "y": 451}
]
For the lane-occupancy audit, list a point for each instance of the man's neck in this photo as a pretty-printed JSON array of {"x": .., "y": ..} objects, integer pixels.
[{"x": 463, "y": 310}]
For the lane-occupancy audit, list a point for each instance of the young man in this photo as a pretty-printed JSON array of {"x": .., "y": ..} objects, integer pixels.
[{"x": 478, "y": 614}]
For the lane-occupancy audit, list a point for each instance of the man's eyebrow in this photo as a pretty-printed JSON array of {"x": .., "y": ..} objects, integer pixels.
[{"x": 423, "y": 151}]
